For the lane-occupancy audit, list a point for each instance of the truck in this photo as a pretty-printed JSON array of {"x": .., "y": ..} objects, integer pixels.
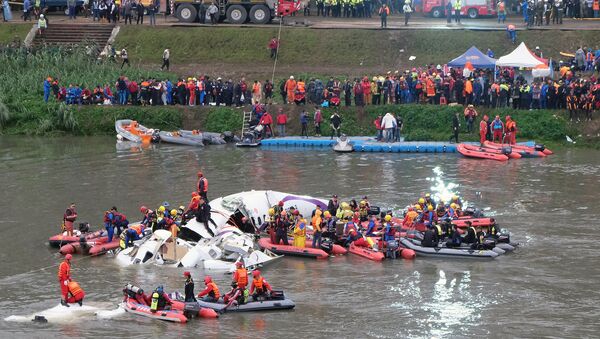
[
  {"x": 470, "y": 8},
  {"x": 237, "y": 11}
]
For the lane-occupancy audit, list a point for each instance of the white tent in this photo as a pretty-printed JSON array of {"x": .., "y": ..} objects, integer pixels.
[{"x": 520, "y": 57}]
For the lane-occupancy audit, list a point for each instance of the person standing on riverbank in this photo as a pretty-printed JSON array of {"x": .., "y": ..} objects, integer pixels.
[
  {"x": 384, "y": 11},
  {"x": 281, "y": 122},
  {"x": 455, "y": 128},
  {"x": 483, "y": 129},
  {"x": 140, "y": 13},
  {"x": 273, "y": 46},
  {"x": 166, "y": 57},
  {"x": 125, "y": 58}
]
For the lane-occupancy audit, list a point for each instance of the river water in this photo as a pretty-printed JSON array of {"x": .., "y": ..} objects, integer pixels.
[{"x": 547, "y": 288}]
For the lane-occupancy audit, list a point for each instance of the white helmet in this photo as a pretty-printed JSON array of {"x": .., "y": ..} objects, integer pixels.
[{"x": 42, "y": 16}]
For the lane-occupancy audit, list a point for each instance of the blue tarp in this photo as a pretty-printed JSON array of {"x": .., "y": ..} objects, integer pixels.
[{"x": 477, "y": 59}]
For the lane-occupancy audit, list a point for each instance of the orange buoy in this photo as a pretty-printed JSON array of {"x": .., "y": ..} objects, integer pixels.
[
  {"x": 208, "y": 313},
  {"x": 407, "y": 254}
]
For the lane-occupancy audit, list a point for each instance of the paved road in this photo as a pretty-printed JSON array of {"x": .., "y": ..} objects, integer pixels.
[{"x": 394, "y": 22}]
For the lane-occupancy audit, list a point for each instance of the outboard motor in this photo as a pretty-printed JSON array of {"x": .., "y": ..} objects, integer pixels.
[
  {"x": 249, "y": 137},
  {"x": 156, "y": 136},
  {"x": 539, "y": 147},
  {"x": 227, "y": 136},
  {"x": 84, "y": 227},
  {"x": 506, "y": 150},
  {"x": 131, "y": 291},
  {"x": 391, "y": 249},
  {"x": 327, "y": 245}
]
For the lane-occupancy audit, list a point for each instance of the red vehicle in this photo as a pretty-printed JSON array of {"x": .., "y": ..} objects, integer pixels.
[
  {"x": 236, "y": 11},
  {"x": 470, "y": 8}
]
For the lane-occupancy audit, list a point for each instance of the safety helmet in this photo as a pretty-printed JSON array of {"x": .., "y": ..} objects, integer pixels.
[
  {"x": 296, "y": 212},
  {"x": 256, "y": 273},
  {"x": 280, "y": 203},
  {"x": 181, "y": 208},
  {"x": 283, "y": 213},
  {"x": 453, "y": 205},
  {"x": 143, "y": 209},
  {"x": 187, "y": 274},
  {"x": 42, "y": 16},
  {"x": 200, "y": 174},
  {"x": 363, "y": 203},
  {"x": 388, "y": 217},
  {"x": 356, "y": 214},
  {"x": 417, "y": 207},
  {"x": 195, "y": 194},
  {"x": 271, "y": 211},
  {"x": 173, "y": 212},
  {"x": 421, "y": 201},
  {"x": 68, "y": 257},
  {"x": 239, "y": 264},
  {"x": 430, "y": 207},
  {"x": 207, "y": 279},
  {"x": 455, "y": 197},
  {"x": 160, "y": 289},
  {"x": 166, "y": 204},
  {"x": 161, "y": 209},
  {"x": 427, "y": 195},
  {"x": 327, "y": 214}
]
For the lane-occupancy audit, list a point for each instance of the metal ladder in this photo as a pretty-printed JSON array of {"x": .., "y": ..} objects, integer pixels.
[{"x": 246, "y": 122}]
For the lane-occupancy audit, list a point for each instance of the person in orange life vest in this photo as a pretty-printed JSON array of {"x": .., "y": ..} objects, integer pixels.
[
  {"x": 451, "y": 212},
  {"x": 256, "y": 92},
  {"x": 69, "y": 218},
  {"x": 290, "y": 87},
  {"x": 76, "y": 293},
  {"x": 352, "y": 233},
  {"x": 64, "y": 276},
  {"x": 497, "y": 129},
  {"x": 281, "y": 122},
  {"x": 192, "y": 206},
  {"x": 211, "y": 293},
  {"x": 410, "y": 217},
  {"x": 191, "y": 87},
  {"x": 511, "y": 131},
  {"x": 133, "y": 233},
  {"x": 240, "y": 276},
  {"x": 483, "y": 129},
  {"x": 202, "y": 186},
  {"x": 429, "y": 216},
  {"x": 266, "y": 121},
  {"x": 259, "y": 286}
]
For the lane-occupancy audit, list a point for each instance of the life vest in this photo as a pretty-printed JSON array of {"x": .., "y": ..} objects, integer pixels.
[
  {"x": 474, "y": 230},
  {"x": 137, "y": 228},
  {"x": 241, "y": 276},
  {"x": 589, "y": 56},
  {"x": 64, "y": 271},
  {"x": 256, "y": 88},
  {"x": 497, "y": 125},
  {"x": 154, "y": 303},
  {"x": 363, "y": 211},
  {"x": 258, "y": 283},
  {"x": 72, "y": 216},
  {"x": 214, "y": 290},
  {"x": 483, "y": 126},
  {"x": 511, "y": 126},
  {"x": 202, "y": 185},
  {"x": 301, "y": 86},
  {"x": 74, "y": 288},
  {"x": 122, "y": 243},
  {"x": 501, "y": 7},
  {"x": 390, "y": 231},
  {"x": 493, "y": 229},
  {"x": 439, "y": 230}
]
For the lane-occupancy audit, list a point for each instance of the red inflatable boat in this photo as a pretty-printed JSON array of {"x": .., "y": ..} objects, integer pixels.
[
  {"x": 366, "y": 252},
  {"x": 524, "y": 151},
  {"x": 204, "y": 312},
  {"x": 62, "y": 239},
  {"x": 480, "y": 153},
  {"x": 511, "y": 155},
  {"x": 81, "y": 247},
  {"x": 132, "y": 306},
  {"x": 104, "y": 247},
  {"x": 336, "y": 250},
  {"x": 305, "y": 252}
]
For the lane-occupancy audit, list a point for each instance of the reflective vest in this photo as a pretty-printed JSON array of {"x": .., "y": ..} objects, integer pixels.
[
  {"x": 202, "y": 185},
  {"x": 457, "y": 5},
  {"x": 74, "y": 288},
  {"x": 258, "y": 283},
  {"x": 493, "y": 229},
  {"x": 42, "y": 23},
  {"x": 241, "y": 276},
  {"x": 439, "y": 230},
  {"x": 64, "y": 271},
  {"x": 301, "y": 86},
  {"x": 214, "y": 290}
]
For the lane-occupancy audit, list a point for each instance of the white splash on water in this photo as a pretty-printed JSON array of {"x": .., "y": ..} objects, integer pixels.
[{"x": 441, "y": 190}]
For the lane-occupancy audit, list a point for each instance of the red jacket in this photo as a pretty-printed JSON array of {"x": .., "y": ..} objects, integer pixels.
[
  {"x": 281, "y": 119},
  {"x": 266, "y": 119},
  {"x": 377, "y": 123}
]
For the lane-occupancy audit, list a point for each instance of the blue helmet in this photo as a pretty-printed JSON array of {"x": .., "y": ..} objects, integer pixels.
[
  {"x": 111, "y": 216},
  {"x": 166, "y": 204},
  {"x": 159, "y": 289}
]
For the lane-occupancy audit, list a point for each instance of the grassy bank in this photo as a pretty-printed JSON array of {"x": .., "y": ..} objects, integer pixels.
[
  {"x": 226, "y": 50},
  {"x": 8, "y": 32}
]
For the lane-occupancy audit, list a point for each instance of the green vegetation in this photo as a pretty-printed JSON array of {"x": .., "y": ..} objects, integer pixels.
[
  {"x": 21, "y": 92},
  {"x": 8, "y": 32},
  {"x": 330, "y": 52}
]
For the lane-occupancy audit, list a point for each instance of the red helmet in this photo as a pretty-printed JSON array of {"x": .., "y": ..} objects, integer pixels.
[
  {"x": 207, "y": 279},
  {"x": 68, "y": 257},
  {"x": 143, "y": 209},
  {"x": 186, "y": 274},
  {"x": 200, "y": 174},
  {"x": 356, "y": 214},
  {"x": 296, "y": 212},
  {"x": 256, "y": 273},
  {"x": 195, "y": 194},
  {"x": 280, "y": 203},
  {"x": 239, "y": 264}
]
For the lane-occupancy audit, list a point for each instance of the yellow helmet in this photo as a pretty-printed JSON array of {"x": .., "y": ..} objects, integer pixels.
[
  {"x": 173, "y": 213},
  {"x": 327, "y": 214},
  {"x": 417, "y": 206},
  {"x": 363, "y": 203},
  {"x": 421, "y": 201},
  {"x": 455, "y": 197},
  {"x": 427, "y": 195},
  {"x": 388, "y": 217},
  {"x": 345, "y": 206},
  {"x": 430, "y": 207},
  {"x": 453, "y": 205},
  {"x": 161, "y": 209},
  {"x": 271, "y": 211}
]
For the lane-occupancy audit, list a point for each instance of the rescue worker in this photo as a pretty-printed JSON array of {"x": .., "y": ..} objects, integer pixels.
[
  {"x": 317, "y": 221},
  {"x": 189, "y": 287},
  {"x": 173, "y": 223},
  {"x": 76, "y": 293},
  {"x": 457, "y": 8},
  {"x": 118, "y": 220},
  {"x": 512, "y": 33},
  {"x": 451, "y": 212},
  {"x": 471, "y": 236},
  {"x": 455, "y": 238},
  {"x": 69, "y": 218},
  {"x": 371, "y": 227},
  {"x": 363, "y": 210},
  {"x": 384, "y": 11},
  {"x": 300, "y": 234},
  {"x": 211, "y": 293},
  {"x": 480, "y": 240},
  {"x": 389, "y": 229},
  {"x": 237, "y": 296},
  {"x": 429, "y": 200},
  {"x": 430, "y": 238},
  {"x": 281, "y": 228},
  {"x": 429, "y": 216},
  {"x": 64, "y": 277},
  {"x": 240, "y": 276},
  {"x": 352, "y": 233},
  {"x": 455, "y": 127},
  {"x": 290, "y": 86},
  {"x": 483, "y": 129},
  {"x": 132, "y": 233},
  {"x": 333, "y": 204},
  {"x": 511, "y": 131},
  {"x": 160, "y": 300},
  {"x": 456, "y": 200},
  {"x": 202, "y": 186},
  {"x": 259, "y": 287},
  {"x": 410, "y": 217},
  {"x": 497, "y": 129},
  {"x": 203, "y": 215},
  {"x": 193, "y": 206}
]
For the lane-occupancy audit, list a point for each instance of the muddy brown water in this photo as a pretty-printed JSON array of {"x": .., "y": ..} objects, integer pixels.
[{"x": 547, "y": 288}]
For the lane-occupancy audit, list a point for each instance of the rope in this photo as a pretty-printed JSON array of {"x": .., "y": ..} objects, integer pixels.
[{"x": 277, "y": 51}]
